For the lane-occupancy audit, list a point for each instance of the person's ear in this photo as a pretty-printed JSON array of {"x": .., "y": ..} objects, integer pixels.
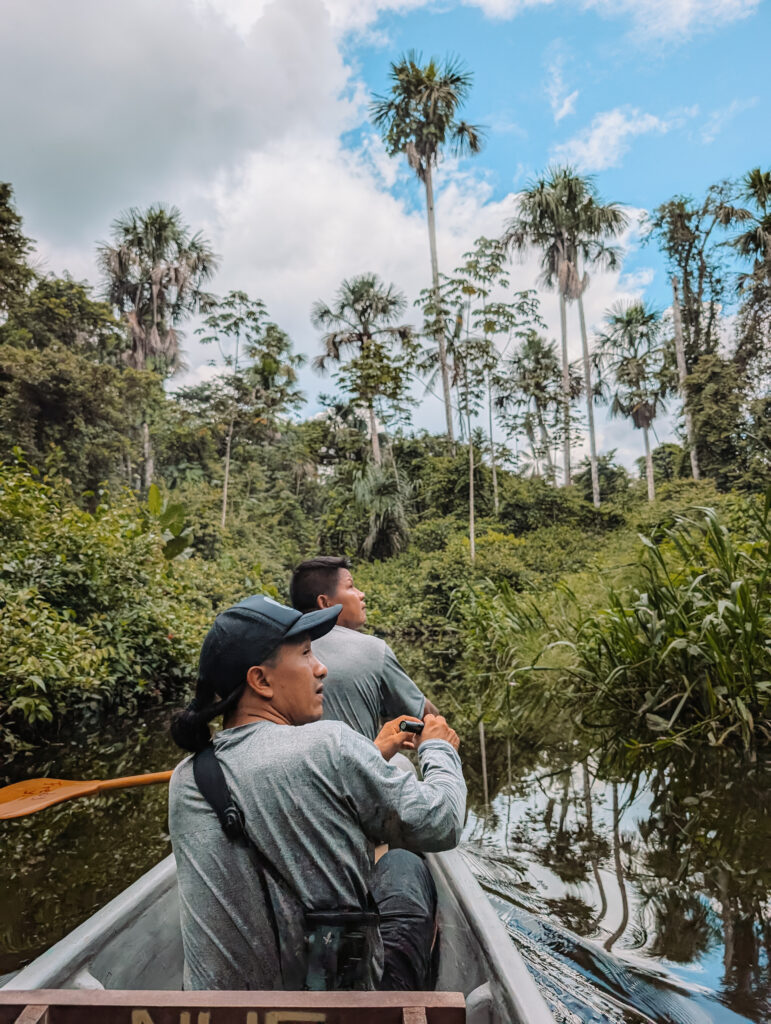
[
  {"x": 322, "y": 601},
  {"x": 257, "y": 681}
]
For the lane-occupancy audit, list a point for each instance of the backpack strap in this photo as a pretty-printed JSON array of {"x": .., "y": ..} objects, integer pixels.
[{"x": 210, "y": 779}]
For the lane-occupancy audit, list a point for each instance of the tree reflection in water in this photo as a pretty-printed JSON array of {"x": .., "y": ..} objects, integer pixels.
[
  {"x": 59, "y": 866},
  {"x": 681, "y": 876}
]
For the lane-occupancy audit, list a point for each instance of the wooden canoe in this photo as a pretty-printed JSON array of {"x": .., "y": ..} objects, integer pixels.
[{"x": 134, "y": 943}]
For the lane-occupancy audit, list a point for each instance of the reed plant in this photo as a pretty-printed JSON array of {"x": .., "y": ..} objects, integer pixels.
[{"x": 682, "y": 665}]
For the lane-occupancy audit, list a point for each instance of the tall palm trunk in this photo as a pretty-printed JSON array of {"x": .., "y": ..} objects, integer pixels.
[
  {"x": 376, "y": 456},
  {"x": 546, "y": 444},
  {"x": 611, "y": 939},
  {"x": 435, "y": 285},
  {"x": 589, "y": 405},
  {"x": 565, "y": 806},
  {"x": 392, "y": 457},
  {"x": 483, "y": 753},
  {"x": 649, "y": 465},
  {"x": 565, "y": 388},
  {"x": 682, "y": 373},
  {"x": 471, "y": 519},
  {"x": 593, "y": 857},
  {"x": 148, "y": 462},
  {"x": 228, "y": 443},
  {"x": 533, "y": 448},
  {"x": 461, "y": 422},
  {"x": 492, "y": 442}
]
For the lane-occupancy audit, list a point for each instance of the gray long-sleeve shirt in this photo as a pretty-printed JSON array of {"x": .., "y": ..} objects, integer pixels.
[
  {"x": 365, "y": 681},
  {"x": 315, "y": 799}
]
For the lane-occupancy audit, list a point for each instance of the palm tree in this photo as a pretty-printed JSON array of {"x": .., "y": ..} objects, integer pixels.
[
  {"x": 592, "y": 224},
  {"x": 755, "y": 243},
  {"x": 484, "y": 270},
  {"x": 631, "y": 352},
  {"x": 528, "y": 394},
  {"x": 418, "y": 118},
  {"x": 155, "y": 269},
  {"x": 386, "y": 497},
  {"x": 541, "y": 223},
  {"x": 561, "y": 215},
  {"x": 363, "y": 319}
]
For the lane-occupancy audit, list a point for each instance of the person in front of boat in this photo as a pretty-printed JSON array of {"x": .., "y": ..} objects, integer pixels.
[
  {"x": 365, "y": 682},
  {"x": 313, "y": 798}
]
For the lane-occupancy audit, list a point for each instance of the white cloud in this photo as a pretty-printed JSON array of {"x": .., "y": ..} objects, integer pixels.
[
  {"x": 719, "y": 118},
  {"x": 672, "y": 19},
  {"x": 339, "y": 220},
  {"x": 503, "y": 124},
  {"x": 608, "y": 138},
  {"x": 130, "y": 103},
  {"x": 239, "y": 121},
  {"x": 675, "y": 19},
  {"x": 294, "y": 245},
  {"x": 505, "y": 8},
  {"x": 345, "y": 15},
  {"x": 561, "y": 101}
]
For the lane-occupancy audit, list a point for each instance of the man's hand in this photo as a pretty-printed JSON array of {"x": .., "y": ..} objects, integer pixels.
[
  {"x": 390, "y": 740},
  {"x": 436, "y": 728}
]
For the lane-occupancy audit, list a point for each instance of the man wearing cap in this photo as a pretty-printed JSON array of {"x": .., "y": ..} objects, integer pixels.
[
  {"x": 365, "y": 681},
  {"x": 312, "y": 797}
]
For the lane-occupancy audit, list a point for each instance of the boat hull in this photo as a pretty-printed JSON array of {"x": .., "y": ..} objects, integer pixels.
[{"x": 135, "y": 942}]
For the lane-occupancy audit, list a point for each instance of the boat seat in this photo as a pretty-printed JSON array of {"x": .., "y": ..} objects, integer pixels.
[{"x": 101, "y": 1006}]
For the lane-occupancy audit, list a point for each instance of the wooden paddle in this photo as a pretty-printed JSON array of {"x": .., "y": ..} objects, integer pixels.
[{"x": 33, "y": 795}]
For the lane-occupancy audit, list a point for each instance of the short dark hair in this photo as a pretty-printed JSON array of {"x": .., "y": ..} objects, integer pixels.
[{"x": 314, "y": 577}]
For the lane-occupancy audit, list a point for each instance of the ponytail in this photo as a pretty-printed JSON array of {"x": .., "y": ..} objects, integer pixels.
[{"x": 190, "y": 727}]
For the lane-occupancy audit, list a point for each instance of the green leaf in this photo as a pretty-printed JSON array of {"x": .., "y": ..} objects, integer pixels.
[
  {"x": 173, "y": 519},
  {"x": 176, "y": 546},
  {"x": 154, "y": 502}
]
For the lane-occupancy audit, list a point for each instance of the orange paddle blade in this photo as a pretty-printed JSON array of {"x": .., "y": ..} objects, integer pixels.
[{"x": 33, "y": 795}]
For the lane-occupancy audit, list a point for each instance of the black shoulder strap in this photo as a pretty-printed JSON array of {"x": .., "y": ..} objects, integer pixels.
[{"x": 210, "y": 780}]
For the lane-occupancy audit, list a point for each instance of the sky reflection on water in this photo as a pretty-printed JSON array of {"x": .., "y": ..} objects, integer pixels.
[{"x": 554, "y": 884}]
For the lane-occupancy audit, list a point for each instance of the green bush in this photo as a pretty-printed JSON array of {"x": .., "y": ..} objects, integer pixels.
[
  {"x": 93, "y": 615},
  {"x": 61, "y": 404},
  {"x": 529, "y": 504},
  {"x": 434, "y": 533},
  {"x": 43, "y": 655},
  {"x": 683, "y": 665}
]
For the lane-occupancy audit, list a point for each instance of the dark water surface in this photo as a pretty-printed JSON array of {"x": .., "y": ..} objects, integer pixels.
[
  {"x": 653, "y": 919},
  {"x": 622, "y": 914}
]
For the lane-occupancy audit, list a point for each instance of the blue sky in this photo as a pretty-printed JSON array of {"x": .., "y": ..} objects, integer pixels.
[
  {"x": 251, "y": 116},
  {"x": 707, "y": 91}
]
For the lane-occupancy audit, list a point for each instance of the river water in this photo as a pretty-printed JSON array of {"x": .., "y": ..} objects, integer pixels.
[{"x": 621, "y": 914}]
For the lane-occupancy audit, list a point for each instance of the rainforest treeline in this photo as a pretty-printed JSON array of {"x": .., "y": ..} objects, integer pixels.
[{"x": 132, "y": 508}]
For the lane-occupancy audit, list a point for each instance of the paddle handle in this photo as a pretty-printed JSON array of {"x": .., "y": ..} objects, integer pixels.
[{"x": 135, "y": 780}]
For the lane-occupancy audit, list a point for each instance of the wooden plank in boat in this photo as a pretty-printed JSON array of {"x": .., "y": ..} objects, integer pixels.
[{"x": 73, "y": 1006}]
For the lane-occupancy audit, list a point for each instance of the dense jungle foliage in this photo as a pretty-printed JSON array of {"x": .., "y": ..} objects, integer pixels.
[{"x": 567, "y": 604}]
